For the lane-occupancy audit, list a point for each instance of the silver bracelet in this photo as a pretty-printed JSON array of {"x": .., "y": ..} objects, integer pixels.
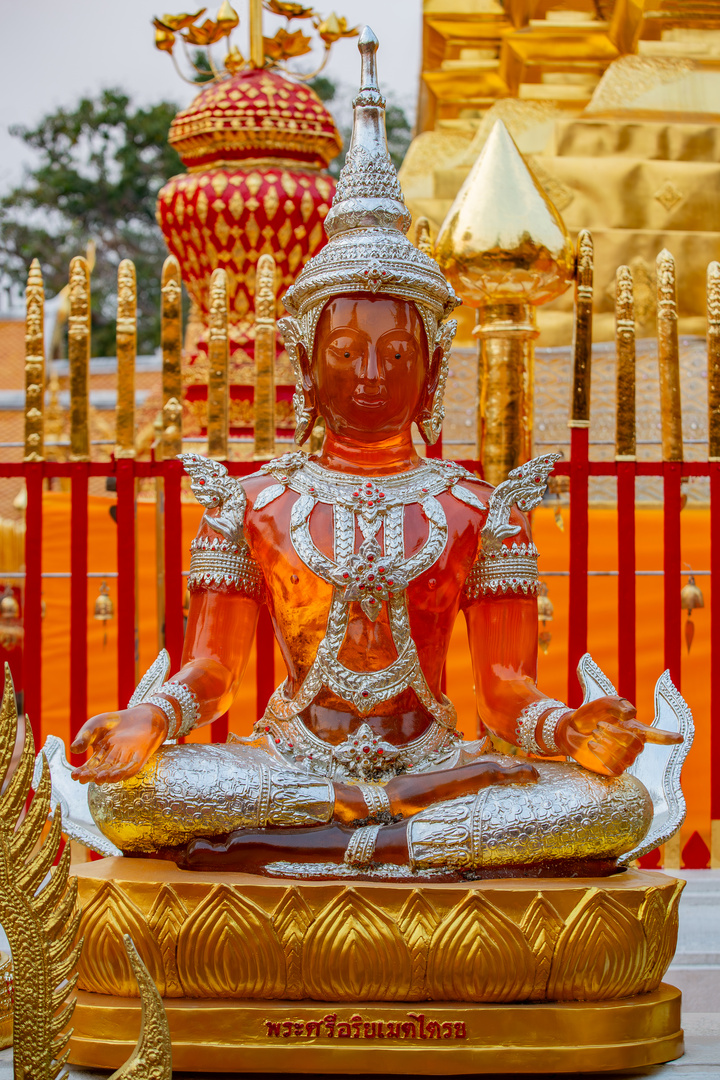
[
  {"x": 189, "y": 705},
  {"x": 549, "y": 728},
  {"x": 376, "y": 798},
  {"x": 166, "y": 706},
  {"x": 361, "y": 848},
  {"x": 527, "y": 723}
]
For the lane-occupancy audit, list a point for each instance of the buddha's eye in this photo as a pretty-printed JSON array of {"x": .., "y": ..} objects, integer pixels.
[
  {"x": 398, "y": 356},
  {"x": 347, "y": 355}
]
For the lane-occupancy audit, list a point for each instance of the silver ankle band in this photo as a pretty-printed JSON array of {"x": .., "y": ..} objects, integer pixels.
[{"x": 361, "y": 848}]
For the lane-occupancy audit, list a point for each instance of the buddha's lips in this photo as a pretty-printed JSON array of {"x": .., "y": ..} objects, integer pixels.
[{"x": 366, "y": 402}]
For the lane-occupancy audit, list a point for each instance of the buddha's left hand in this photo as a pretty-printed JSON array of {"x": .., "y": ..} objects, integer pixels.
[{"x": 604, "y": 736}]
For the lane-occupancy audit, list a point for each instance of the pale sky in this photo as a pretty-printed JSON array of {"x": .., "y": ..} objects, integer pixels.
[{"x": 58, "y": 50}]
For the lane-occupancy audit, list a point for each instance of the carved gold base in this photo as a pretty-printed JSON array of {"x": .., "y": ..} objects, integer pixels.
[
  {"x": 427, "y": 1039},
  {"x": 211, "y": 935}
]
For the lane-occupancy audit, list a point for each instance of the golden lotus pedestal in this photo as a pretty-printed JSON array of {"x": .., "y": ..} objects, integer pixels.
[{"x": 534, "y": 975}]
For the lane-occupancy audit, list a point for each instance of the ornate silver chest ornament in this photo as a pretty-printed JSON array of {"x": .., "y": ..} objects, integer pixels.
[{"x": 378, "y": 573}]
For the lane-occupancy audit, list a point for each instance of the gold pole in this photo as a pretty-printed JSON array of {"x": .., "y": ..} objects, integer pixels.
[
  {"x": 158, "y": 442},
  {"x": 506, "y": 333},
  {"x": 582, "y": 332},
  {"x": 713, "y": 340},
  {"x": 669, "y": 359},
  {"x": 257, "y": 51},
  {"x": 625, "y": 447},
  {"x": 34, "y": 365},
  {"x": 218, "y": 348},
  {"x": 265, "y": 359},
  {"x": 126, "y": 351},
  {"x": 171, "y": 343},
  {"x": 79, "y": 357}
]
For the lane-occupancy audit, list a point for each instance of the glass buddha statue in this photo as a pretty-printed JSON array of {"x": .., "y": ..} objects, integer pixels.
[{"x": 365, "y": 555}]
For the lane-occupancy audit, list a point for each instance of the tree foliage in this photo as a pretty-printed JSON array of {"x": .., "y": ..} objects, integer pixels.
[{"x": 101, "y": 165}]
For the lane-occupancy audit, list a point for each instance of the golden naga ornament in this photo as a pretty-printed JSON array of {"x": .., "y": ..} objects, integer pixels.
[
  {"x": 38, "y": 915},
  {"x": 152, "y": 1057}
]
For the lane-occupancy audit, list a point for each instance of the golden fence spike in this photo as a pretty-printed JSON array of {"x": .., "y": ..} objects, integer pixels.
[
  {"x": 265, "y": 334},
  {"x": 625, "y": 430},
  {"x": 582, "y": 332},
  {"x": 669, "y": 359},
  {"x": 218, "y": 360},
  {"x": 423, "y": 239},
  {"x": 713, "y": 344},
  {"x": 35, "y": 365},
  {"x": 171, "y": 344},
  {"x": 126, "y": 331},
  {"x": 79, "y": 358}
]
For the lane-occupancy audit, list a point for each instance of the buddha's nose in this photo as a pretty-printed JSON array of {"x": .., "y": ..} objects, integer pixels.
[{"x": 372, "y": 371}]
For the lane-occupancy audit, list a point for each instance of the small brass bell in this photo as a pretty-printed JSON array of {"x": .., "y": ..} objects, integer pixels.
[
  {"x": 11, "y": 631},
  {"x": 545, "y": 615},
  {"x": 104, "y": 609},
  {"x": 545, "y": 604},
  {"x": 9, "y": 608},
  {"x": 691, "y": 597}
]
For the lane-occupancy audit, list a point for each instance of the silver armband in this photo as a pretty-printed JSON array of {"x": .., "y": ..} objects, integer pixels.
[
  {"x": 361, "y": 848},
  {"x": 188, "y": 702},
  {"x": 376, "y": 798},
  {"x": 167, "y": 708},
  {"x": 527, "y": 723}
]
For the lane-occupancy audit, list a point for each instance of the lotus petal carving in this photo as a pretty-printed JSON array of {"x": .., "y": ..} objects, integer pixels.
[
  {"x": 600, "y": 954},
  {"x": 228, "y": 948},
  {"x": 355, "y": 952},
  {"x": 479, "y": 954},
  {"x": 104, "y": 967}
]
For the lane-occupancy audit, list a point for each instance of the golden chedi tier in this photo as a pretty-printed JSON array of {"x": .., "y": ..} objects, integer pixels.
[{"x": 255, "y": 145}]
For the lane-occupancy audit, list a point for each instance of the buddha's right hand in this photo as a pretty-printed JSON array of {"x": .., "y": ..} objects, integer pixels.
[
  {"x": 413, "y": 792},
  {"x": 121, "y": 743}
]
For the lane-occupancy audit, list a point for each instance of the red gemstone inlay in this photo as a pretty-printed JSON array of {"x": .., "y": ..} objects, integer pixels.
[
  {"x": 346, "y": 576},
  {"x": 364, "y": 694},
  {"x": 380, "y": 750},
  {"x": 201, "y": 481},
  {"x": 267, "y": 728},
  {"x": 381, "y": 569},
  {"x": 390, "y": 581},
  {"x": 366, "y": 749},
  {"x": 371, "y": 503},
  {"x": 371, "y": 558},
  {"x": 371, "y": 577}
]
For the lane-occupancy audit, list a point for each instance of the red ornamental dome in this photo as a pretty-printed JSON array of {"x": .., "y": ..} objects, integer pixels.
[
  {"x": 251, "y": 114},
  {"x": 255, "y": 146}
]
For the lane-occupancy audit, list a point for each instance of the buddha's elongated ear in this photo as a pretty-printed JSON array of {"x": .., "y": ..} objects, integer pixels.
[
  {"x": 303, "y": 398},
  {"x": 431, "y": 418}
]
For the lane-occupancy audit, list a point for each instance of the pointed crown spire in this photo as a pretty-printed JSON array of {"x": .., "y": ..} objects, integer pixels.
[
  {"x": 368, "y": 193},
  {"x": 367, "y": 249}
]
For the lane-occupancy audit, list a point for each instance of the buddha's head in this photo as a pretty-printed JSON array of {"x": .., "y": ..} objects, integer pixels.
[{"x": 366, "y": 332}]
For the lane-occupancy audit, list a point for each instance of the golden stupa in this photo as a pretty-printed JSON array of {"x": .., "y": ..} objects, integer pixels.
[{"x": 615, "y": 109}]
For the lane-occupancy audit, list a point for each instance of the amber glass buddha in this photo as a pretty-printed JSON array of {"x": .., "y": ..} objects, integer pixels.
[{"x": 365, "y": 555}]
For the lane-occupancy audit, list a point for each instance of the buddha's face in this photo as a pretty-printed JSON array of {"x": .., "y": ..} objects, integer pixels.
[{"x": 371, "y": 374}]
